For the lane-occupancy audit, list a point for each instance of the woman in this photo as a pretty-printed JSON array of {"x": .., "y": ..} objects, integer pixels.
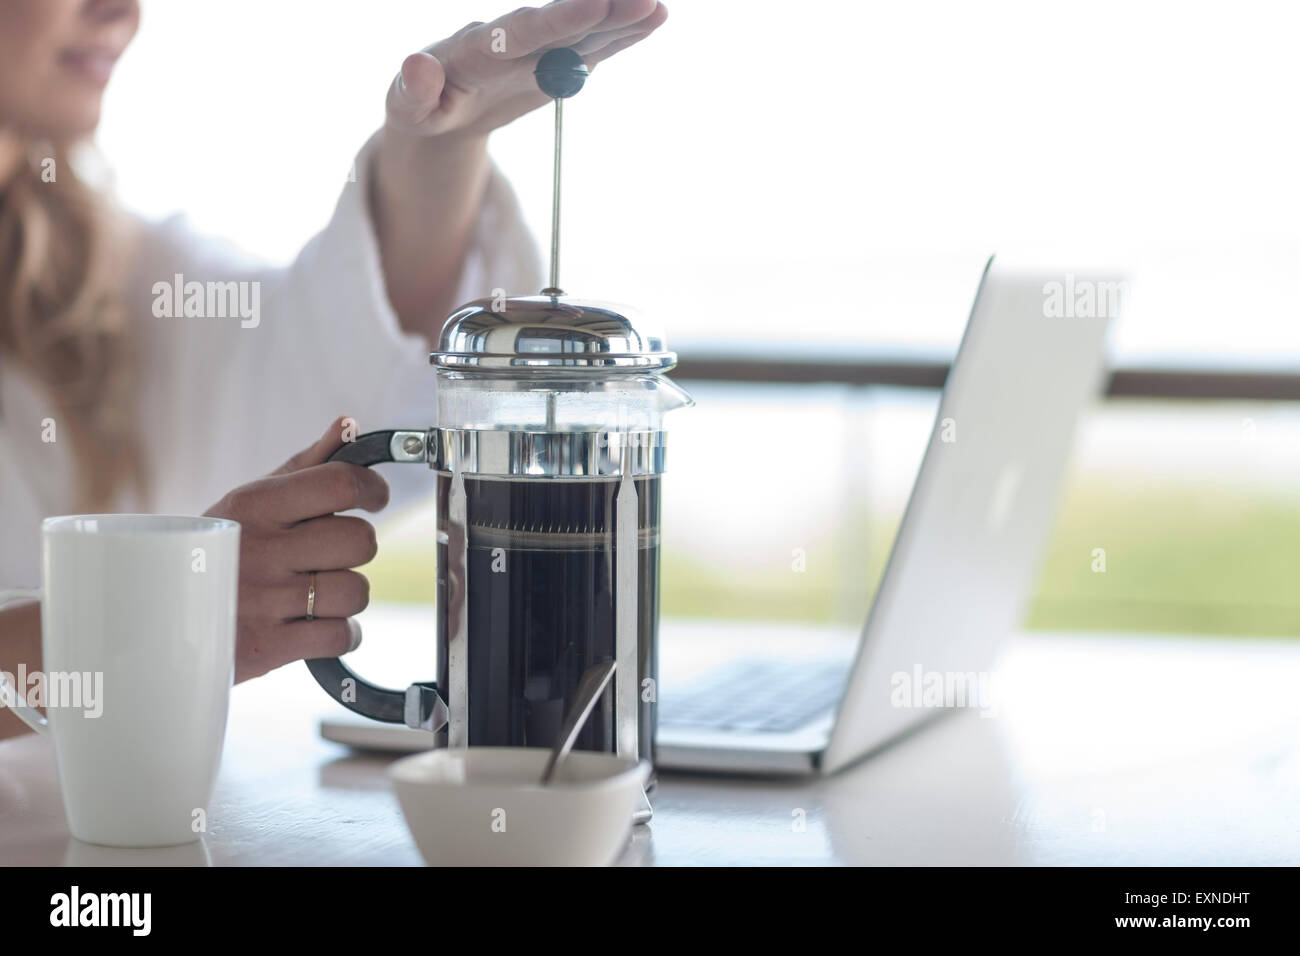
[{"x": 143, "y": 368}]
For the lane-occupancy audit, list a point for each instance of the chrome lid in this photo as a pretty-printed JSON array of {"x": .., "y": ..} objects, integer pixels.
[{"x": 549, "y": 332}]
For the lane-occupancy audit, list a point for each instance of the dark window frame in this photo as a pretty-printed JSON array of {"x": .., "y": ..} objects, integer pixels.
[{"x": 1123, "y": 381}]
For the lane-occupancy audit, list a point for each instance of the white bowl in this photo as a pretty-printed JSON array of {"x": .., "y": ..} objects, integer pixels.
[{"x": 483, "y": 806}]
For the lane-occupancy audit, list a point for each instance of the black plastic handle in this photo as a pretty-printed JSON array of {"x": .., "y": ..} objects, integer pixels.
[
  {"x": 339, "y": 680},
  {"x": 372, "y": 448}
]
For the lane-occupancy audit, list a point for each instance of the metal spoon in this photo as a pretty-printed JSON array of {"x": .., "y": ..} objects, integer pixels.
[{"x": 591, "y": 685}]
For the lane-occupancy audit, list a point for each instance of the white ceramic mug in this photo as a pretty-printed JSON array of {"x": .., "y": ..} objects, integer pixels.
[{"x": 138, "y": 642}]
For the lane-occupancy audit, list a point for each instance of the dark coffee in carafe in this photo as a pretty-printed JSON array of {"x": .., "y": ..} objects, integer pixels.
[{"x": 541, "y": 605}]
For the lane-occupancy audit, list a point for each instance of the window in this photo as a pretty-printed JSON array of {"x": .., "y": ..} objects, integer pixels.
[{"x": 824, "y": 179}]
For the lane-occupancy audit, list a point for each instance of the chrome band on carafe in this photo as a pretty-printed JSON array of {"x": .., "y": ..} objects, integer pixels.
[
  {"x": 627, "y": 557},
  {"x": 458, "y": 616},
  {"x": 562, "y": 454}
]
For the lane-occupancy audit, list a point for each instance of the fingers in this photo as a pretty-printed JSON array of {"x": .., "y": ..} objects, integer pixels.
[
  {"x": 605, "y": 43},
  {"x": 338, "y": 594},
  {"x": 417, "y": 89},
  {"x": 296, "y": 640},
  {"x": 606, "y": 50},
  {"x": 626, "y": 18},
  {"x": 286, "y": 499},
  {"x": 290, "y": 529},
  {"x": 530, "y": 29},
  {"x": 563, "y": 23},
  {"x": 342, "y": 429},
  {"x": 307, "y": 485},
  {"x": 328, "y": 543},
  {"x": 321, "y": 638}
]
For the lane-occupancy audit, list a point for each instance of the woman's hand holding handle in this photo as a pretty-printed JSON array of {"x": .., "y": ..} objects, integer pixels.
[{"x": 294, "y": 548}]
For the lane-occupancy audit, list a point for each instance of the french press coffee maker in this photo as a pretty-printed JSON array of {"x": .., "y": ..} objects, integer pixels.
[{"x": 549, "y": 452}]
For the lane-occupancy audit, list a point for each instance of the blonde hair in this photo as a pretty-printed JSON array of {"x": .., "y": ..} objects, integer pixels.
[{"x": 62, "y": 317}]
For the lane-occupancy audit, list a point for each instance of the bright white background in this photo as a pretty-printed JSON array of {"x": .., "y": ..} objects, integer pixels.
[{"x": 836, "y": 171}]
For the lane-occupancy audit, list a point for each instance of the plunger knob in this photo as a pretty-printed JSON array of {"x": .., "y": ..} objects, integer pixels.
[{"x": 561, "y": 73}]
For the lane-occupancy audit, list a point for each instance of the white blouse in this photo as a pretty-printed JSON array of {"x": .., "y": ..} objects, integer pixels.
[{"x": 225, "y": 400}]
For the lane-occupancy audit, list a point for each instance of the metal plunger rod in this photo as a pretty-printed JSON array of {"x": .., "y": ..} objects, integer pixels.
[
  {"x": 555, "y": 197},
  {"x": 560, "y": 74}
]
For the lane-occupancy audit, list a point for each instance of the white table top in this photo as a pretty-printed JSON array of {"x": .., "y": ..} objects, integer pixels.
[{"x": 1106, "y": 749}]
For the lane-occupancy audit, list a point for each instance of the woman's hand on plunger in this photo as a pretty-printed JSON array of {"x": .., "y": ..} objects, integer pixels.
[
  {"x": 481, "y": 77},
  {"x": 289, "y": 532},
  {"x": 430, "y": 163}
]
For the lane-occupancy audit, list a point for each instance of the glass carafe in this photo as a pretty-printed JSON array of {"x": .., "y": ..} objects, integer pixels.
[{"x": 549, "y": 452}]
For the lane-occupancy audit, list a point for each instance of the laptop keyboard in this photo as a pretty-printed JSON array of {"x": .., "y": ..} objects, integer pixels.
[{"x": 757, "y": 695}]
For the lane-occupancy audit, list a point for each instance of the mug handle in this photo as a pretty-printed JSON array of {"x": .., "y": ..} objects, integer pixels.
[
  {"x": 420, "y": 705},
  {"x": 10, "y": 696}
]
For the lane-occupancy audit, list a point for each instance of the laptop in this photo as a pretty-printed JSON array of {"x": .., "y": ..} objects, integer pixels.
[
  {"x": 962, "y": 563},
  {"x": 1031, "y": 359}
]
